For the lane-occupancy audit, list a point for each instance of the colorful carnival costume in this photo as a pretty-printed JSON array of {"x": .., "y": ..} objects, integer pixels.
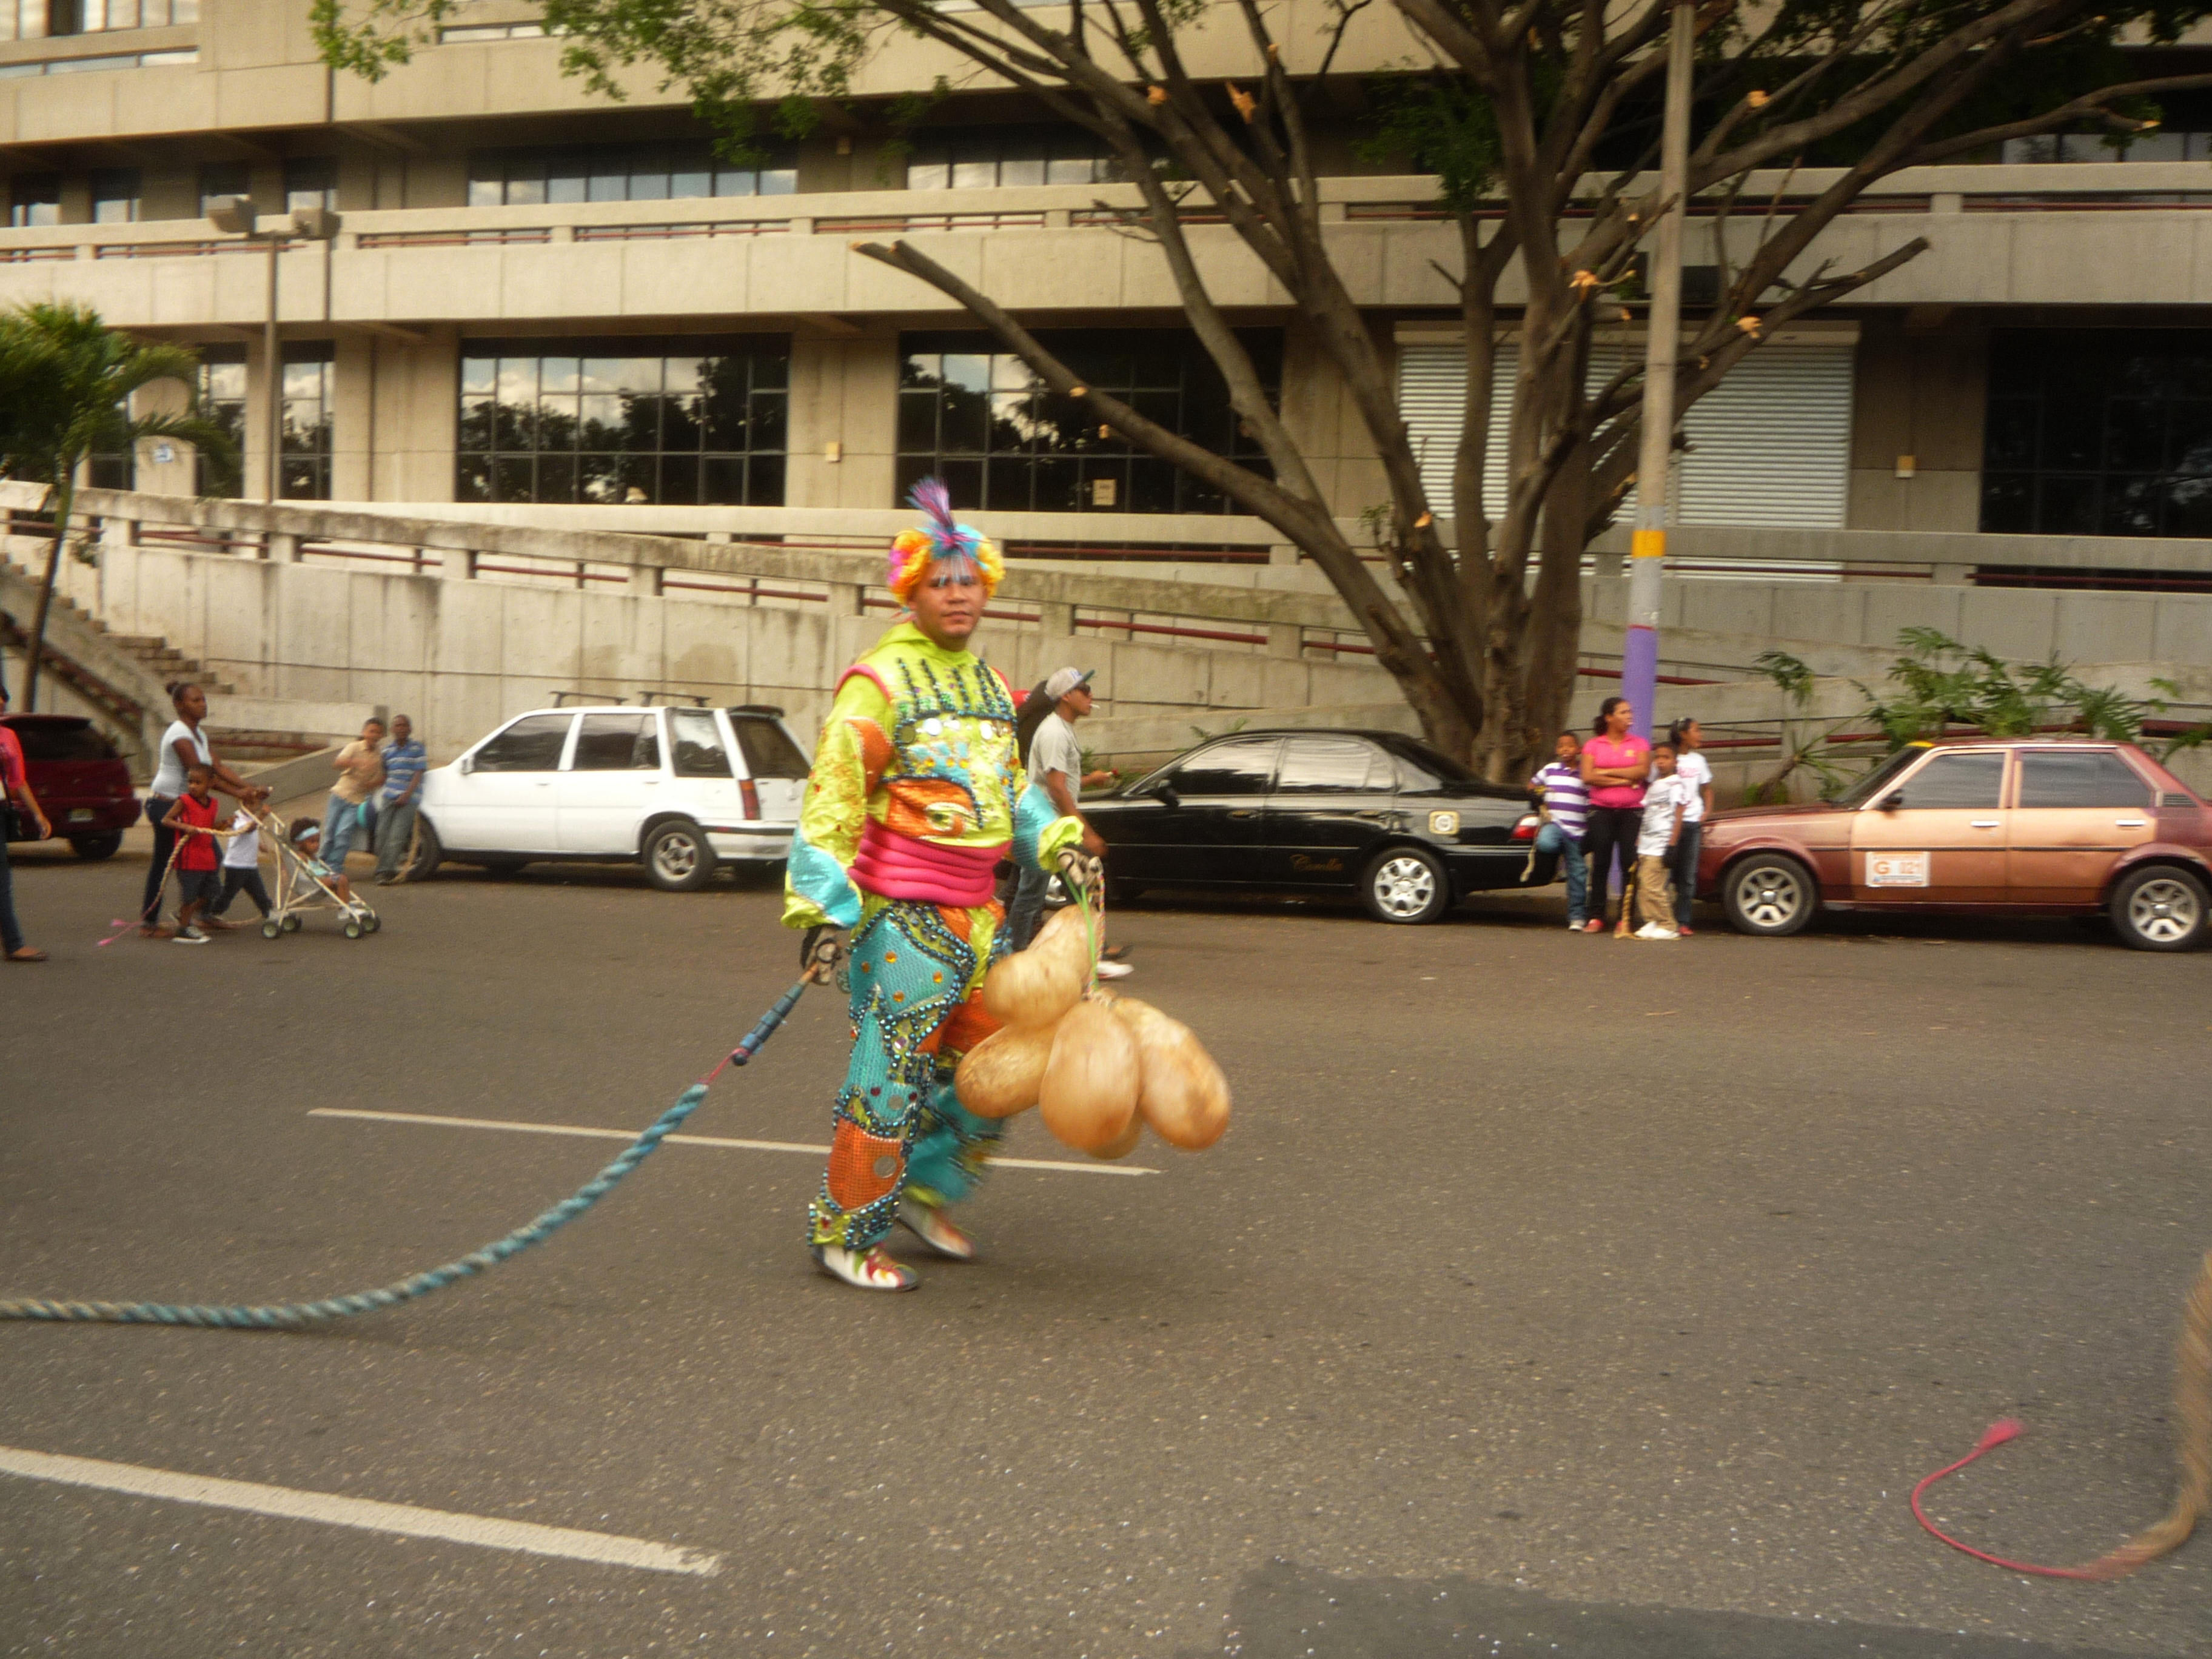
[{"x": 915, "y": 795}]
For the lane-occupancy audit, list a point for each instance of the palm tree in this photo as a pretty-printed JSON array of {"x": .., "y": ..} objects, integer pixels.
[{"x": 66, "y": 380}]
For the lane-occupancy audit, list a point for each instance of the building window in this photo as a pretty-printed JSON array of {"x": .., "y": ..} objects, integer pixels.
[
  {"x": 461, "y": 34},
  {"x": 525, "y": 177},
  {"x": 305, "y": 467},
  {"x": 223, "y": 400},
  {"x": 2099, "y": 433},
  {"x": 680, "y": 421},
  {"x": 976, "y": 417},
  {"x": 32, "y": 20},
  {"x": 986, "y": 158},
  {"x": 114, "y": 469},
  {"x": 222, "y": 179},
  {"x": 311, "y": 181},
  {"x": 115, "y": 194},
  {"x": 35, "y": 198}
]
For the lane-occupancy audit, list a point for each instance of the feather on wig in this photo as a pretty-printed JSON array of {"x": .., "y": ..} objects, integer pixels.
[{"x": 916, "y": 552}]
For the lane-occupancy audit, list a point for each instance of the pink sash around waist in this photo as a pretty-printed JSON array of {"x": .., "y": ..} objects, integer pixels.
[{"x": 898, "y": 867}]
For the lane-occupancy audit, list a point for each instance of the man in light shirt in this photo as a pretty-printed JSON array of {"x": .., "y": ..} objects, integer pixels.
[
  {"x": 1055, "y": 766},
  {"x": 360, "y": 766}
]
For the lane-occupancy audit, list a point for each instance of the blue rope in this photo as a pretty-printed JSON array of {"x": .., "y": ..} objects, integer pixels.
[{"x": 292, "y": 1314}]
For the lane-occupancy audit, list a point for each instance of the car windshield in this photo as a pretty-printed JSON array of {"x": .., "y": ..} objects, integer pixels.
[{"x": 1872, "y": 783}]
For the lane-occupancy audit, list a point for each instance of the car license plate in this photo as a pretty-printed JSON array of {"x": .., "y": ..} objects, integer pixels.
[
  {"x": 80, "y": 815},
  {"x": 1896, "y": 870}
]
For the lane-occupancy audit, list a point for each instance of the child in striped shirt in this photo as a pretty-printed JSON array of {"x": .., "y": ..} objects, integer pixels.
[{"x": 1565, "y": 799}]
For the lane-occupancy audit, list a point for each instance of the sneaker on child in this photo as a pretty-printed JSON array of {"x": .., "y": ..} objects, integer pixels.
[{"x": 189, "y": 936}]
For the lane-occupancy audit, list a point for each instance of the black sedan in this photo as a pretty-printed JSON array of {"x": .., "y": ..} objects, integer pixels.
[{"x": 1370, "y": 812}]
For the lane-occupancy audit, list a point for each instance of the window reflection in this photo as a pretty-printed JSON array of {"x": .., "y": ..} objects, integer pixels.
[
  {"x": 983, "y": 422},
  {"x": 678, "y": 420}
]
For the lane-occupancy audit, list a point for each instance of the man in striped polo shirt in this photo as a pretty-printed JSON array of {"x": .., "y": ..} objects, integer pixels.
[{"x": 1560, "y": 790}]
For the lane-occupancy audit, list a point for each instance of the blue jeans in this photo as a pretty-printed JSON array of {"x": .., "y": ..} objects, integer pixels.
[
  {"x": 1553, "y": 843},
  {"x": 11, "y": 934},
  {"x": 1683, "y": 867},
  {"x": 1024, "y": 915},
  {"x": 340, "y": 819}
]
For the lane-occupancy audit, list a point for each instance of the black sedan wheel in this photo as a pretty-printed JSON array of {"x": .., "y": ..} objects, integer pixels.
[
  {"x": 1406, "y": 884},
  {"x": 92, "y": 848},
  {"x": 1769, "y": 893},
  {"x": 677, "y": 859},
  {"x": 2161, "y": 908}
]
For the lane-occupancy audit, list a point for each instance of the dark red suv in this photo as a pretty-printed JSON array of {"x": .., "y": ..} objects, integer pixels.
[{"x": 79, "y": 778}]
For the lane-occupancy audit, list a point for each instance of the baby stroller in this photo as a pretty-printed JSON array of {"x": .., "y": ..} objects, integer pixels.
[{"x": 304, "y": 882}]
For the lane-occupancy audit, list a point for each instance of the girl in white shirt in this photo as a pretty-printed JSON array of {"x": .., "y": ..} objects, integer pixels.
[{"x": 1697, "y": 773}]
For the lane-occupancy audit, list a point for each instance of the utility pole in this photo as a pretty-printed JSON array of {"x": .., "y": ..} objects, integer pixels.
[
  {"x": 1639, "y": 654},
  {"x": 314, "y": 224}
]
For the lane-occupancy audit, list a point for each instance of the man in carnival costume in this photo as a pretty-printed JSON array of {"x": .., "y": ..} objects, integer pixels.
[{"x": 916, "y": 792}]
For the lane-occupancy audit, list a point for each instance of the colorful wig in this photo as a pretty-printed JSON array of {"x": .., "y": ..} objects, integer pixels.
[{"x": 916, "y": 554}]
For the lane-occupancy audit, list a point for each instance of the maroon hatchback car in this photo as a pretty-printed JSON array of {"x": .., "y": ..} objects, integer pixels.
[
  {"x": 1980, "y": 827},
  {"x": 79, "y": 778}
]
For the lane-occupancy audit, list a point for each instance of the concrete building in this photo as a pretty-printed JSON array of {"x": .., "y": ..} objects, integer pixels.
[{"x": 538, "y": 296}]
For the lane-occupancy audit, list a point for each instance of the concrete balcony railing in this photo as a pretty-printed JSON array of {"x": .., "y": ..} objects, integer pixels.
[{"x": 2070, "y": 233}]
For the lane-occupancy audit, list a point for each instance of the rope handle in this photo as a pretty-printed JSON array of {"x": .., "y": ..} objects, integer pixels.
[{"x": 2192, "y": 1407}]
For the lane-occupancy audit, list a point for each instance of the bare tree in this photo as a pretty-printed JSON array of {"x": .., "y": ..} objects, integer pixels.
[{"x": 1521, "y": 104}]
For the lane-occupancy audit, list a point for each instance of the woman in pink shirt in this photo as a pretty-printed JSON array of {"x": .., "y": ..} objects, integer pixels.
[{"x": 1616, "y": 762}]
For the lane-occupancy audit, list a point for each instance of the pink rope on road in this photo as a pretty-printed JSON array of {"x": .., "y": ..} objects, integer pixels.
[{"x": 1995, "y": 1435}]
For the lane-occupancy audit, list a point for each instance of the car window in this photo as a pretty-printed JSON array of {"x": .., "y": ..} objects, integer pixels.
[
  {"x": 618, "y": 743},
  {"x": 2094, "y": 777},
  {"x": 1970, "y": 780},
  {"x": 1244, "y": 767},
  {"x": 699, "y": 751},
  {"x": 1313, "y": 766},
  {"x": 768, "y": 748},
  {"x": 1872, "y": 786},
  {"x": 42, "y": 742},
  {"x": 533, "y": 743}
]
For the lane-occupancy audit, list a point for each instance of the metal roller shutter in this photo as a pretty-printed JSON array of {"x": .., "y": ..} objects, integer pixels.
[{"x": 1771, "y": 445}]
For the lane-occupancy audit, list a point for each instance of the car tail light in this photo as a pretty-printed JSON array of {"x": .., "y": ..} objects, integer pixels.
[
  {"x": 1525, "y": 829},
  {"x": 751, "y": 794}
]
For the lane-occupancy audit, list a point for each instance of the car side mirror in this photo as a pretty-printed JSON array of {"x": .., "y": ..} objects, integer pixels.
[
  {"x": 1164, "y": 792},
  {"x": 1892, "y": 800},
  {"x": 468, "y": 764}
]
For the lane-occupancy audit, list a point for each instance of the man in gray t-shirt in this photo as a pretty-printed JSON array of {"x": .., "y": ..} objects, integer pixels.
[{"x": 1055, "y": 766}]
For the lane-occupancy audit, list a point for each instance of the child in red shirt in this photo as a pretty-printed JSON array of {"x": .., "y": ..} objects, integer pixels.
[{"x": 198, "y": 883}]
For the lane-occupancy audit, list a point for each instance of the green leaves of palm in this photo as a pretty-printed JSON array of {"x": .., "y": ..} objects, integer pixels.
[{"x": 69, "y": 379}]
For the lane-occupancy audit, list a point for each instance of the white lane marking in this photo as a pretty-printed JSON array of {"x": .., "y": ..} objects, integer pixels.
[
  {"x": 403, "y": 1519},
  {"x": 693, "y": 1141}
]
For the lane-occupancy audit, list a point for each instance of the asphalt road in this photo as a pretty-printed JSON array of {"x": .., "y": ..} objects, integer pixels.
[{"x": 1549, "y": 1296}]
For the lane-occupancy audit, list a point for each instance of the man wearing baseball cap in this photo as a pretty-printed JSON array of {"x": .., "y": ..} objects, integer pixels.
[{"x": 1055, "y": 766}]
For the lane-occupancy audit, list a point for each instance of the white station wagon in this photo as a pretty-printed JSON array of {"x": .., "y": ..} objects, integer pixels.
[{"x": 679, "y": 790}]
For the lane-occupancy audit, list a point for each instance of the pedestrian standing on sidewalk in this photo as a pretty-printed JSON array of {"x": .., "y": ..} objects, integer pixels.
[
  {"x": 1657, "y": 836},
  {"x": 1564, "y": 800},
  {"x": 15, "y": 797},
  {"x": 183, "y": 746},
  {"x": 191, "y": 818},
  {"x": 241, "y": 869},
  {"x": 1697, "y": 775},
  {"x": 403, "y": 764},
  {"x": 1616, "y": 762},
  {"x": 360, "y": 766}
]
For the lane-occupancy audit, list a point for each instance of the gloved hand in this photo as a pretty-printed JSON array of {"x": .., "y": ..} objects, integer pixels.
[
  {"x": 1082, "y": 871},
  {"x": 819, "y": 954}
]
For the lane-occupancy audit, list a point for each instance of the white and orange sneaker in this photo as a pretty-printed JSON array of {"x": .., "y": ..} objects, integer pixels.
[
  {"x": 870, "y": 1269},
  {"x": 932, "y": 1227}
]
